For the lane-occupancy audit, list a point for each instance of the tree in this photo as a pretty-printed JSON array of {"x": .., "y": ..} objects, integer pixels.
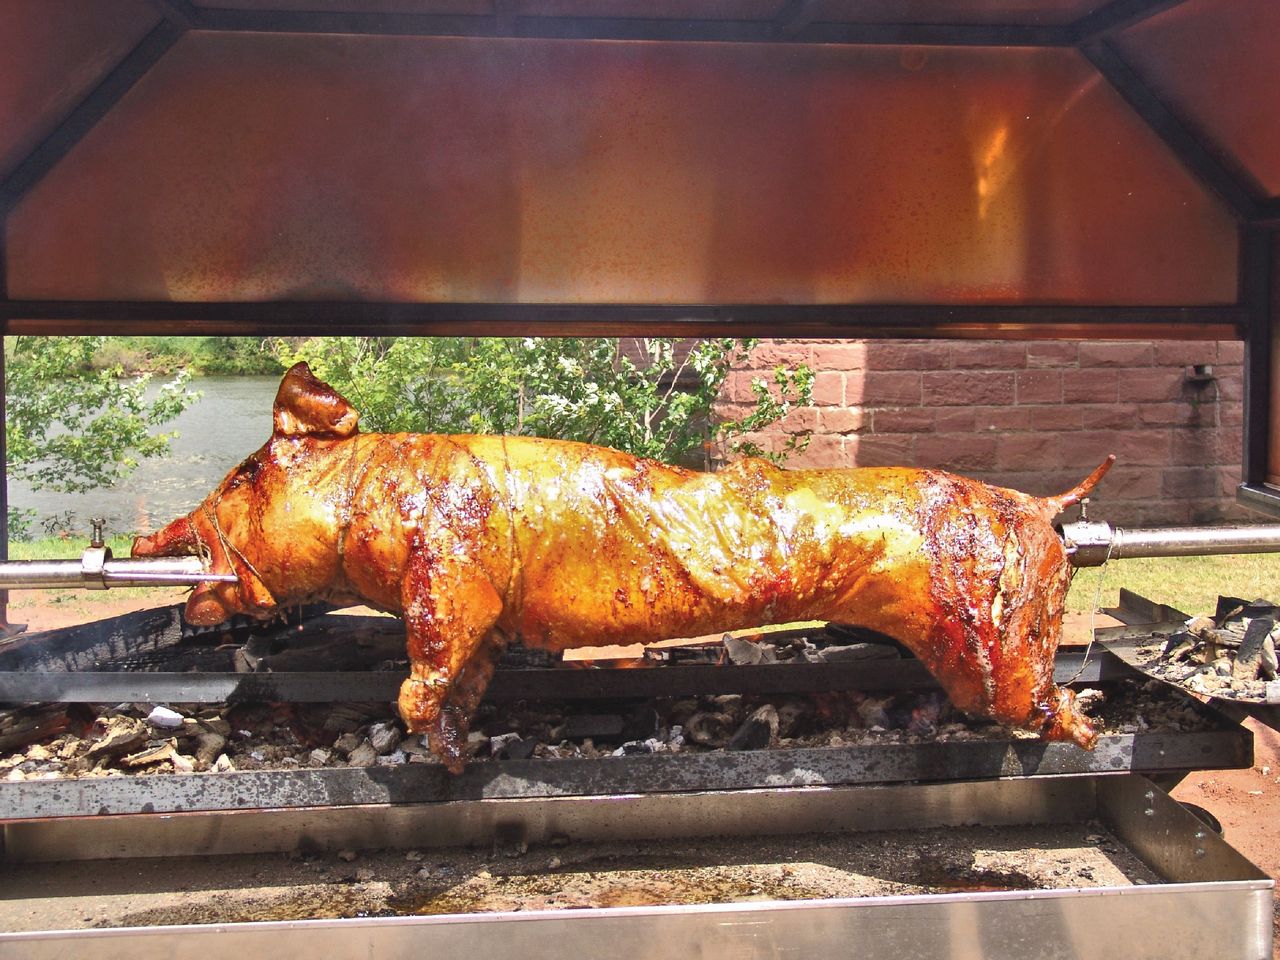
[
  {"x": 652, "y": 397},
  {"x": 70, "y": 428}
]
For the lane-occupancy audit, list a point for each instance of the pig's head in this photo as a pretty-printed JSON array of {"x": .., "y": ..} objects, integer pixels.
[{"x": 270, "y": 522}]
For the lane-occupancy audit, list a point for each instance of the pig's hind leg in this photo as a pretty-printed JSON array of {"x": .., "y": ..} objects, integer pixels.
[{"x": 450, "y": 607}]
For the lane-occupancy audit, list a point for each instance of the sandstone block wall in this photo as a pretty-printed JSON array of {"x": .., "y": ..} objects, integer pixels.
[{"x": 1034, "y": 415}]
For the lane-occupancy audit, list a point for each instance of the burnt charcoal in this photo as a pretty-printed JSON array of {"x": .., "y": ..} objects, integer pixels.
[
  {"x": 1249, "y": 657},
  {"x": 347, "y": 742},
  {"x": 746, "y": 652},
  {"x": 384, "y": 737},
  {"x": 1231, "y": 634},
  {"x": 794, "y": 718},
  {"x": 1269, "y": 664},
  {"x": 730, "y": 704},
  {"x": 1233, "y": 608},
  {"x": 521, "y": 749},
  {"x": 343, "y": 719},
  {"x": 511, "y": 746},
  {"x": 752, "y": 735},
  {"x": 238, "y": 628},
  {"x": 755, "y": 734},
  {"x": 1179, "y": 646},
  {"x": 708, "y": 729},
  {"x": 362, "y": 756},
  {"x": 873, "y": 713},
  {"x": 683, "y": 655},
  {"x": 21, "y": 726},
  {"x": 858, "y": 651},
  {"x": 597, "y": 726},
  {"x": 634, "y": 747},
  {"x": 498, "y": 742},
  {"x": 1228, "y": 609},
  {"x": 208, "y": 746},
  {"x": 260, "y": 646},
  {"x": 844, "y": 634},
  {"x": 900, "y": 715},
  {"x": 926, "y": 714},
  {"x": 642, "y": 724},
  {"x": 517, "y": 656},
  {"x": 117, "y": 735},
  {"x": 1204, "y": 628}
]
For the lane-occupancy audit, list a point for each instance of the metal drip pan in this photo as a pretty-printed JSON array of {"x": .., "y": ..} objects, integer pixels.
[{"x": 1160, "y": 884}]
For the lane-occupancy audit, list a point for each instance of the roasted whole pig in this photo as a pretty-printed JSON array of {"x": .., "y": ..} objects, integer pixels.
[{"x": 475, "y": 539}]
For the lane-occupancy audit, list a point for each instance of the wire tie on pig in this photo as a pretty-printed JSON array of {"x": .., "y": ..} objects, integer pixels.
[
  {"x": 230, "y": 547},
  {"x": 1093, "y": 613}
]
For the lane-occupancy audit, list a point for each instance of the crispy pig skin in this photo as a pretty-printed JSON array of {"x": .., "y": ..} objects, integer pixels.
[{"x": 473, "y": 539}]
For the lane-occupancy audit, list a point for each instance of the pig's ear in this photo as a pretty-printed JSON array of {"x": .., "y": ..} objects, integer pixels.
[{"x": 308, "y": 407}]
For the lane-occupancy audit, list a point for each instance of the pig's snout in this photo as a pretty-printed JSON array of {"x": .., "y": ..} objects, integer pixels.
[{"x": 175, "y": 540}]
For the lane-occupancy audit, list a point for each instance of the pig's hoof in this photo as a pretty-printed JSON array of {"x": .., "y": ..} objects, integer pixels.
[
  {"x": 419, "y": 704},
  {"x": 448, "y": 737}
]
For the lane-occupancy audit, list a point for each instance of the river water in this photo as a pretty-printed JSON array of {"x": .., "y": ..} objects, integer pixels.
[{"x": 231, "y": 419}]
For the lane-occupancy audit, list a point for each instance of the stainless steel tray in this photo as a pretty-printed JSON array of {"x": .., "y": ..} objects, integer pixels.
[{"x": 1210, "y": 901}]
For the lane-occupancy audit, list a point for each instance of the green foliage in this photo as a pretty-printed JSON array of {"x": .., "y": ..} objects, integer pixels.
[
  {"x": 232, "y": 356},
  {"x": 199, "y": 356},
  {"x": 652, "y": 397},
  {"x": 72, "y": 428}
]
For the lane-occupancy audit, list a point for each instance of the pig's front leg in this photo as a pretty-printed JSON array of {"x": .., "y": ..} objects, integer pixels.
[
  {"x": 448, "y": 737},
  {"x": 450, "y": 607}
]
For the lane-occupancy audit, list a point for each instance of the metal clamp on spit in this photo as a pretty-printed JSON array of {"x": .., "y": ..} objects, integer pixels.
[{"x": 97, "y": 570}]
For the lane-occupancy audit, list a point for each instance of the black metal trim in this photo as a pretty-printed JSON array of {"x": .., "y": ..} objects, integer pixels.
[
  {"x": 1257, "y": 290},
  {"x": 505, "y": 15},
  {"x": 618, "y": 28},
  {"x": 181, "y": 13},
  {"x": 294, "y": 318},
  {"x": 794, "y": 16},
  {"x": 1200, "y": 161},
  {"x": 96, "y": 104},
  {"x": 1268, "y": 213},
  {"x": 1117, "y": 16},
  {"x": 1261, "y": 497},
  {"x": 559, "y": 683}
]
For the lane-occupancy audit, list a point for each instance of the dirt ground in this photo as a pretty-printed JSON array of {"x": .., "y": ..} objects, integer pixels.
[{"x": 1246, "y": 802}]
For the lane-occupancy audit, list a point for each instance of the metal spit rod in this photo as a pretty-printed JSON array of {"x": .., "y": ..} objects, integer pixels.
[
  {"x": 1092, "y": 543},
  {"x": 96, "y": 570}
]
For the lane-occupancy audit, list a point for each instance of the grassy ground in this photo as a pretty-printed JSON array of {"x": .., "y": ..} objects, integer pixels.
[
  {"x": 57, "y": 548},
  {"x": 1192, "y": 584}
]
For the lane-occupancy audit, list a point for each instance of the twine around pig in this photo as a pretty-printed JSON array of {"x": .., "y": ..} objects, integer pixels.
[{"x": 227, "y": 545}]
